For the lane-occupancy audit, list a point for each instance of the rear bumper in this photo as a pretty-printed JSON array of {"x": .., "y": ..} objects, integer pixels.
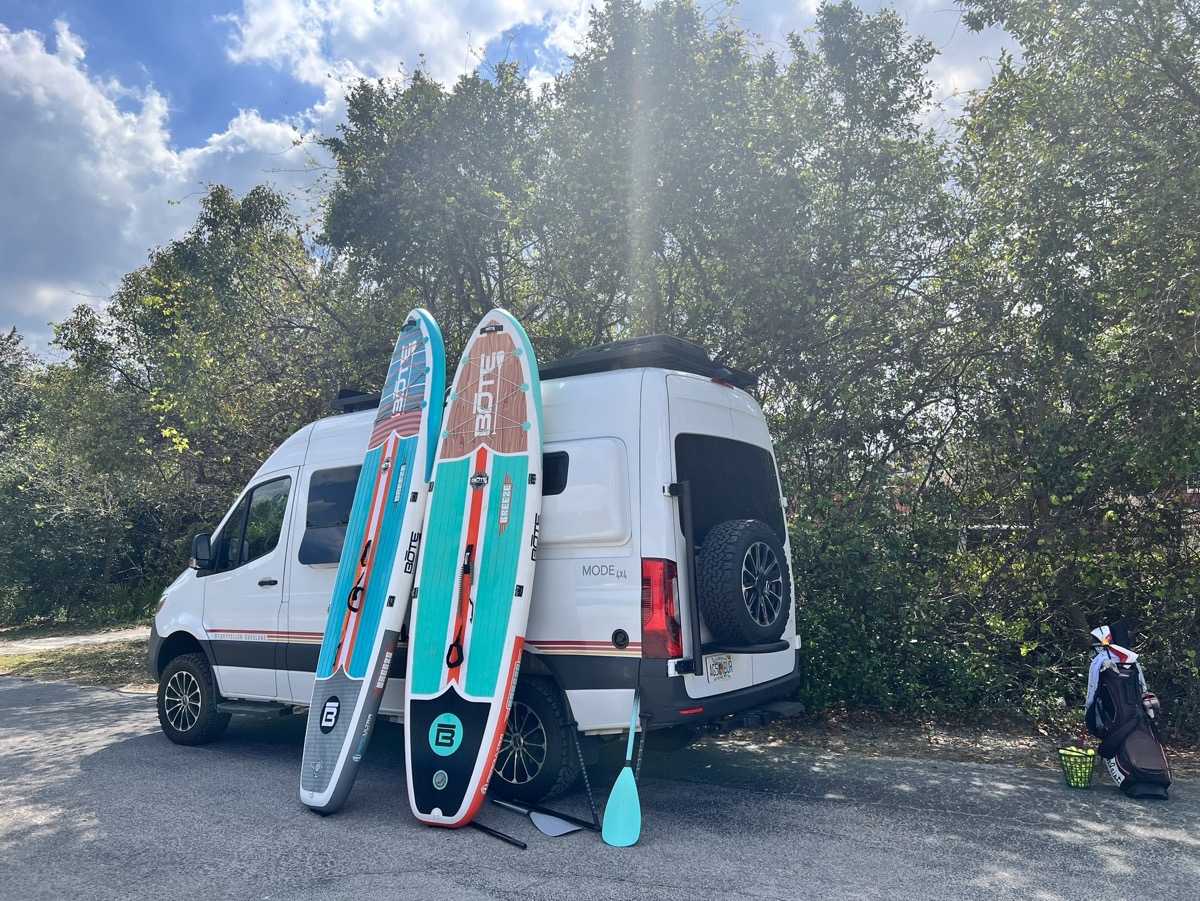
[{"x": 664, "y": 699}]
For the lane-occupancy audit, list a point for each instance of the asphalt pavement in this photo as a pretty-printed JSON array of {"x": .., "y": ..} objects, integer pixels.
[{"x": 98, "y": 804}]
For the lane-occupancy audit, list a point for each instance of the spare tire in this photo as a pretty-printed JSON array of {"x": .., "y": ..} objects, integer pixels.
[{"x": 743, "y": 583}]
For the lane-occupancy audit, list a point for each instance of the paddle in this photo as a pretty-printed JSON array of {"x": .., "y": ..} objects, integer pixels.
[
  {"x": 594, "y": 825},
  {"x": 547, "y": 824},
  {"x": 623, "y": 810},
  {"x": 496, "y": 833}
]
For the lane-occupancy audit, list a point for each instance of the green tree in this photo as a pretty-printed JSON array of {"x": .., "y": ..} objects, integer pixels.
[
  {"x": 646, "y": 138},
  {"x": 170, "y": 397},
  {"x": 795, "y": 218},
  {"x": 867, "y": 371},
  {"x": 17, "y": 365},
  {"x": 221, "y": 342},
  {"x": 18, "y": 405},
  {"x": 63, "y": 524},
  {"x": 1079, "y": 163},
  {"x": 427, "y": 207}
]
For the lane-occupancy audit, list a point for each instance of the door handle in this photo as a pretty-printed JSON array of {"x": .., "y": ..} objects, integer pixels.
[{"x": 267, "y": 583}]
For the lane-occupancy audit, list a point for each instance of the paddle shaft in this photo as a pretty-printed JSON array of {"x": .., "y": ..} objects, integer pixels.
[
  {"x": 633, "y": 724},
  {"x": 496, "y": 833}
]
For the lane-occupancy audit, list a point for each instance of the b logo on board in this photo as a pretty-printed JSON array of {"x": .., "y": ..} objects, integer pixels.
[
  {"x": 329, "y": 715},
  {"x": 445, "y": 735}
]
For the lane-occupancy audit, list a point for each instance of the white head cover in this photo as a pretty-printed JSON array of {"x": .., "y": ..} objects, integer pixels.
[
  {"x": 1109, "y": 654},
  {"x": 1104, "y": 636}
]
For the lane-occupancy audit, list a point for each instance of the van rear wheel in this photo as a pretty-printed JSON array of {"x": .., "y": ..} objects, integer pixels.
[
  {"x": 536, "y": 758},
  {"x": 743, "y": 583},
  {"x": 187, "y": 702}
]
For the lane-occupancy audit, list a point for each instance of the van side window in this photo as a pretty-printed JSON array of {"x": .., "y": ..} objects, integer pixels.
[
  {"x": 730, "y": 480},
  {"x": 330, "y": 497},
  {"x": 554, "y": 472},
  {"x": 254, "y": 527}
]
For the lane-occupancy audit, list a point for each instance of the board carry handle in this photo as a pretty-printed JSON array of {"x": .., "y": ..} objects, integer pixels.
[{"x": 454, "y": 653}]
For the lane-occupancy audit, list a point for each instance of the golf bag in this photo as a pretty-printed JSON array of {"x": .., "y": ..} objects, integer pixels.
[{"x": 1120, "y": 712}]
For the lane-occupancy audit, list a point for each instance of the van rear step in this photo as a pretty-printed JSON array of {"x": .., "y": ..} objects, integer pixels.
[
  {"x": 269, "y": 709},
  {"x": 759, "y": 718},
  {"x": 688, "y": 666},
  {"x": 771, "y": 647}
]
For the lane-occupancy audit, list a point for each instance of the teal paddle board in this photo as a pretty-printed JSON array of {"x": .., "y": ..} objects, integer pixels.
[
  {"x": 377, "y": 567},
  {"x": 475, "y": 575}
]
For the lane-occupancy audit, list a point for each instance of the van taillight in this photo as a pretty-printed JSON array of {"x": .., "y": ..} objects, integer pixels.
[{"x": 661, "y": 638}]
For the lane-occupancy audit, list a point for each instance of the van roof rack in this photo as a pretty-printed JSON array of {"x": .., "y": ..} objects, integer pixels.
[
  {"x": 351, "y": 400},
  {"x": 658, "y": 351}
]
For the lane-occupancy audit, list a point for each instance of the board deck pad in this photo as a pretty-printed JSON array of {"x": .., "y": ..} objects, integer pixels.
[
  {"x": 377, "y": 567},
  {"x": 475, "y": 575}
]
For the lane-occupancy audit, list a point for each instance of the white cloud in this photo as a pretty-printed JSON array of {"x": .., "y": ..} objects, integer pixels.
[
  {"x": 331, "y": 42},
  {"x": 566, "y": 29},
  {"x": 313, "y": 39},
  {"x": 89, "y": 173}
]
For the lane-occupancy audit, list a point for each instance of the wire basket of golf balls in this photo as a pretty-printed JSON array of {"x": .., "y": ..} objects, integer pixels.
[{"x": 1077, "y": 766}]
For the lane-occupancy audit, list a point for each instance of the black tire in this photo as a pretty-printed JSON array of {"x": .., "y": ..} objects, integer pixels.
[
  {"x": 537, "y": 757},
  {"x": 187, "y": 702},
  {"x": 743, "y": 583}
]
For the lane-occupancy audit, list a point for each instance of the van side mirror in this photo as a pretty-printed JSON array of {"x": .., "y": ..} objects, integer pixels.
[{"x": 201, "y": 552}]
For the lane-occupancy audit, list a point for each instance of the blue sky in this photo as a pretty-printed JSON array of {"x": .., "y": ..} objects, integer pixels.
[
  {"x": 119, "y": 112},
  {"x": 178, "y": 48}
]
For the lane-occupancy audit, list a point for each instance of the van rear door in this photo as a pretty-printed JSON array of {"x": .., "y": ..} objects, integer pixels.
[{"x": 721, "y": 447}]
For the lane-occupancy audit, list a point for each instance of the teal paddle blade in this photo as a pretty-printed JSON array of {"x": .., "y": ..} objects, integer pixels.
[{"x": 623, "y": 812}]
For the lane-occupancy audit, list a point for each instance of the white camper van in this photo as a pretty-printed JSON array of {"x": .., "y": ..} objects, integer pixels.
[{"x": 663, "y": 564}]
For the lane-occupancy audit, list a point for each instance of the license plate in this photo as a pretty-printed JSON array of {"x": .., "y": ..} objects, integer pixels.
[{"x": 719, "y": 667}]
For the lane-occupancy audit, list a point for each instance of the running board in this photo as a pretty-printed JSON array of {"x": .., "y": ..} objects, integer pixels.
[{"x": 269, "y": 709}]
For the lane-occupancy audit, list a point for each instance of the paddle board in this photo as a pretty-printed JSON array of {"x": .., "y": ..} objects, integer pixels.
[
  {"x": 474, "y": 578},
  {"x": 377, "y": 567}
]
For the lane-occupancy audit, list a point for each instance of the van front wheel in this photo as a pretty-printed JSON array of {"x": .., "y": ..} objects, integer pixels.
[
  {"x": 187, "y": 702},
  {"x": 742, "y": 583},
  {"x": 536, "y": 758}
]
